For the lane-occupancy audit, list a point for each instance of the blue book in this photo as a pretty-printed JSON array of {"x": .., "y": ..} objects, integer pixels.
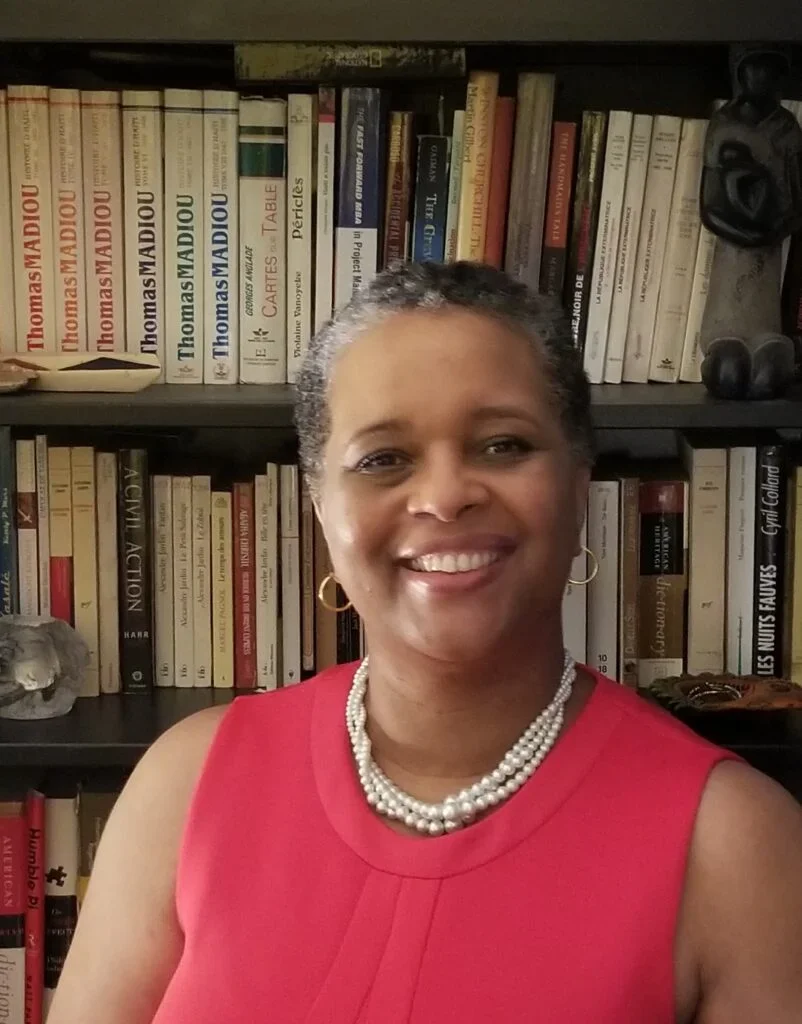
[
  {"x": 357, "y": 237},
  {"x": 431, "y": 199},
  {"x": 9, "y": 593}
]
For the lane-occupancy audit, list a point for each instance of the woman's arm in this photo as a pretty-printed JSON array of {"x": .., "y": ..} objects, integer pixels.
[{"x": 127, "y": 942}]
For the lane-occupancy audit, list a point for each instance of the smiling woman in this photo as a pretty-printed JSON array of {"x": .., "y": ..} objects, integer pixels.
[{"x": 467, "y": 826}]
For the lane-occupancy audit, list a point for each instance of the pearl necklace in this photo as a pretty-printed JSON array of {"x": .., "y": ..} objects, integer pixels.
[{"x": 517, "y": 765}]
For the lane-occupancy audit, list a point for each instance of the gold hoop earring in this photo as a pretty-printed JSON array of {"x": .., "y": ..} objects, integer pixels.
[
  {"x": 321, "y": 595},
  {"x": 593, "y": 571}
]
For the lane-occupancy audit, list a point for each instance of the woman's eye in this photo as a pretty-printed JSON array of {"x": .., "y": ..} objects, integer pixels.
[
  {"x": 376, "y": 462},
  {"x": 507, "y": 446}
]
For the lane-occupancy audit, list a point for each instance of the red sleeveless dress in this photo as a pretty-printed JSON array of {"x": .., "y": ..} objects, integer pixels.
[{"x": 300, "y": 906}]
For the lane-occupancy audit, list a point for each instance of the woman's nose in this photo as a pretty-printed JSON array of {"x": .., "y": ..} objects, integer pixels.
[{"x": 445, "y": 488}]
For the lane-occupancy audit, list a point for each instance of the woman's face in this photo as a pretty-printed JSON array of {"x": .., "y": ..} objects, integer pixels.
[{"x": 449, "y": 497}]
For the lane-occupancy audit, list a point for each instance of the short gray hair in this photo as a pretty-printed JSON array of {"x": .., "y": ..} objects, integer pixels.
[{"x": 481, "y": 289}]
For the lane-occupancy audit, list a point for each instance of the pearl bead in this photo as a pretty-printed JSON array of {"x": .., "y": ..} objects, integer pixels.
[
  {"x": 421, "y": 825},
  {"x": 436, "y": 828}
]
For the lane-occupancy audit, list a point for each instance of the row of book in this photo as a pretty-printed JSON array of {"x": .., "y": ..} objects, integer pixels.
[
  {"x": 698, "y": 565},
  {"x": 48, "y": 848},
  {"x": 218, "y": 230}
]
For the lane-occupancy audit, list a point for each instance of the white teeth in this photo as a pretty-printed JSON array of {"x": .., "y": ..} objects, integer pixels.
[{"x": 451, "y": 563}]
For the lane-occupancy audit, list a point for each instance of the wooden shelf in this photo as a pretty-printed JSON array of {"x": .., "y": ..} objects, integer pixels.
[
  {"x": 615, "y": 407},
  {"x": 107, "y": 731},
  {"x": 619, "y": 21}
]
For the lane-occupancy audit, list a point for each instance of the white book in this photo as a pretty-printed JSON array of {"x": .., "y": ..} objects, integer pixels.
[
  {"x": 290, "y": 561},
  {"x": 85, "y": 563},
  {"x": 266, "y": 502},
  {"x": 679, "y": 263},
  {"x": 324, "y": 227},
  {"x": 32, "y": 217},
  {"x": 143, "y": 179},
  {"x": 300, "y": 197},
  {"x": 263, "y": 240},
  {"x": 651, "y": 246},
  {"x": 103, "y": 209},
  {"x": 183, "y": 235},
  {"x": 68, "y": 219},
  {"x": 454, "y": 183},
  {"x": 742, "y": 474},
  {"x": 222, "y": 592},
  {"x": 202, "y": 579},
  {"x": 603, "y": 541},
  {"x": 8, "y": 323},
  {"x": 61, "y": 869},
  {"x": 575, "y": 606},
  {"x": 616, "y": 159},
  {"x": 691, "y": 367},
  {"x": 637, "y": 165},
  {"x": 107, "y": 582},
  {"x": 183, "y": 612},
  {"x": 27, "y": 529},
  {"x": 161, "y": 489},
  {"x": 43, "y": 521},
  {"x": 221, "y": 236}
]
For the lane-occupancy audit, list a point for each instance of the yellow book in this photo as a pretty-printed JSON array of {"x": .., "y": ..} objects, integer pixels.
[
  {"x": 84, "y": 551},
  {"x": 480, "y": 110}
]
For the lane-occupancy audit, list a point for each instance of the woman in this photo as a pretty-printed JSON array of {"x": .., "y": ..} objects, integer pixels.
[{"x": 297, "y": 857}]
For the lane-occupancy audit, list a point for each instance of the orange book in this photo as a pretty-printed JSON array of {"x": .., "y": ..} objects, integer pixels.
[{"x": 499, "y": 195}]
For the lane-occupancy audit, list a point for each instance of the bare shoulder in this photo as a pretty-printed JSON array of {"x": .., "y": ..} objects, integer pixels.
[{"x": 743, "y": 900}]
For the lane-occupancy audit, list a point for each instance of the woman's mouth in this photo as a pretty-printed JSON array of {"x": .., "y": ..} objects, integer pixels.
[{"x": 454, "y": 562}]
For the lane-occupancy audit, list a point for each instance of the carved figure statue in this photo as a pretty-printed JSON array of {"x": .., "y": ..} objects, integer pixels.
[{"x": 42, "y": 662}]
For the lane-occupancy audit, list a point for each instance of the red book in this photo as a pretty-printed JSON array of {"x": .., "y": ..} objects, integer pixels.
[
  {"x": 244, "y": 587},
  {"x": 498, "y": 198},
  {"x": 13, "y": 848},
  {"x": 60, "y": 486},
  {"x": 35, "y": 910},
  {"x": 558, "y": 208}
]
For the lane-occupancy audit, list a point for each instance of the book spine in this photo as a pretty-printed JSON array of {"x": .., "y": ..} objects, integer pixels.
[
  {"x": 530, "y": 178},
  {"x": 27, "y": 528},
  {"x": 300, "y": 225},
  {"x": 324, "y": 202},
  {"x": 183, "y": 235},
  {"x": 498, "y": 197},
  {"x": 164, "y": 602},
  {"x": 222, "y": 592},
  {"x": 651, "y": 247},
  {"x": 35, "y": 908},
  {"x": 794, "y": 623},
  {"x": 244, "y": 587},
  {"x": 259, "y": 62},
  {"x": 606, "y": 247},
  {"x": 583, "y": 228},
  {"x": 290, "y": 562},
  {"x": 266, "y": 501},
  {"x": 8, "y": 319},
  {"x": 399, "y": 174},
  {"x": 629, "y": 571},
  {"x": 707, "y": 554},
  {"x": 742, "y": 477},
  {"x": 307, "y": 545},
  {"x": 101, "y": 134},
  {"x": 183, "y": 614},
  {"x": 679, "y": 264},
  {"x": 691, "y": 367},
  {"x": 133, "y": 510},
  {"x": 431, "y": 197},
  {"x": 201, "y": 584},
  {"x": 43, "y": 521},
  {"x": 32, "y": 218},
  {"x": 84, "y": 551},
  {"x": 94, "y": 809},
  {"x": 637, "y": 165},
  {"x": 68, "y": 219},
  {"x": 62, "y": 851},
  {"x": 770, "y": 524},
  {"x": 454, "y": 185},
  {"x": 558, "y": 209},
  {"x": 220, "y": 237},
  {"x": 107, "y": 580},
  {"x": 575, "y": 605},
  {"x": 144, "y": 222},
  {"x": 13, "y": 844},
  {"x": 263, "y": 240},
  {"x": 477, "y": 151},
  {"x": 357, "y": 232},
  {"x": 9, "y": 583},
  {"x": 603, "y": 591},
  {"x": 59, "y": 475},
  {"x": 661, "y": 591}
]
